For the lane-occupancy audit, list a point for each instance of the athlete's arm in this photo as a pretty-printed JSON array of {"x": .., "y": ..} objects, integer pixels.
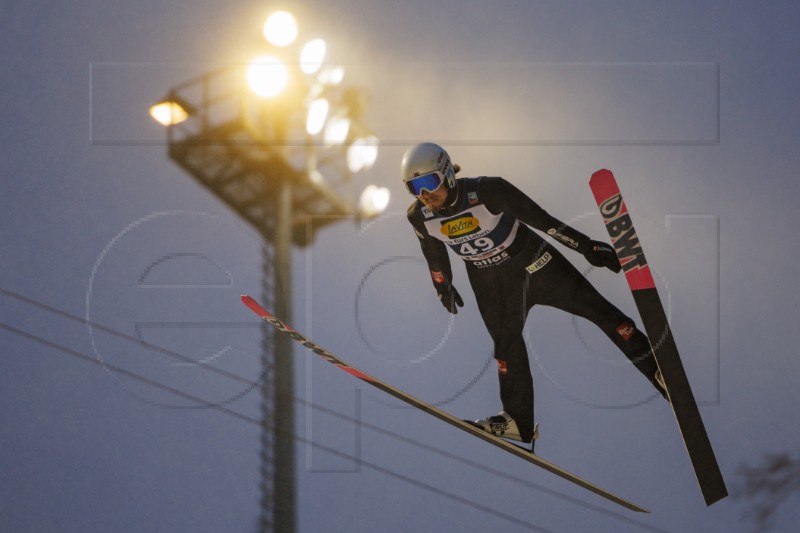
[
  {"x": 434, "y": 250},
  {"x": 500, "y": 195},
  {"x": 435, "y": 253}
]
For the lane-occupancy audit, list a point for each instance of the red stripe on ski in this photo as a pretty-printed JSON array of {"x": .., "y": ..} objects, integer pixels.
[
  {"x": 266, "y": 315},
  {"x": 640, "y": 279},
  {"x": 357, "y": 373},
  {"x": 255, "y": 307},
  {"x": 620, "y": 229},
  {"x": 603, "y": 185}
]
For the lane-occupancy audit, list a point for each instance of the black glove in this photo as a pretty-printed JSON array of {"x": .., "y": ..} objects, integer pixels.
[
  {"x": 450, "y": 298},
  {"x": 601, "y": 255},
  {"x": 448, "y": 294}
]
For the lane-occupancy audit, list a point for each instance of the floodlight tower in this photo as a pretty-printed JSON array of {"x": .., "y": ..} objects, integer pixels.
[{"x": 278, "y": 142}]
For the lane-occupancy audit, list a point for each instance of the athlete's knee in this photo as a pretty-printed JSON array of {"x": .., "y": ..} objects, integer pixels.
[
  {"x": 510, "y": 348},
  {"x": 626, "y": 330},
  {"x": 633, "y": 342},
  {"x": 513, "y": 364}
]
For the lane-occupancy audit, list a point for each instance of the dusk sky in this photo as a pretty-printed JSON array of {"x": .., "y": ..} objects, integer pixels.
[{"x": 105, "y": 240}]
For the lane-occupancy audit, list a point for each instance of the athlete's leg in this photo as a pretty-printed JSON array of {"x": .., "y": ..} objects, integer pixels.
[
  {"x": 501, "y": 302},
  {"x": 570, "y": 291}
]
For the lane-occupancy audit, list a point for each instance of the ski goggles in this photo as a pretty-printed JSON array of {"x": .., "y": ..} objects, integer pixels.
[{"x": 426, "y": 182}]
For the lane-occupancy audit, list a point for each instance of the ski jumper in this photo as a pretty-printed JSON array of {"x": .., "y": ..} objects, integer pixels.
[{"x": 487, "y": 221}]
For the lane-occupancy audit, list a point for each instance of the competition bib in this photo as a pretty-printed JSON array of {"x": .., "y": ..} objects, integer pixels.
[{"x": 476, "y": 235}]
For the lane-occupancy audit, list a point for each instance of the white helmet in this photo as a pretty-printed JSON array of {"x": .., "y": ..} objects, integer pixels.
[{"x": 426, "y": 158}]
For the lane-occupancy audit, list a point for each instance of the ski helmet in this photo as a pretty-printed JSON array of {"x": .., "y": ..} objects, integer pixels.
[{"x": 425, "y": 164}]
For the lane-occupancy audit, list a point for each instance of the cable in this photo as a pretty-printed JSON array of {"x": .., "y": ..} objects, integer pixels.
[
  {"x": 251, "y": 384},
  {"x": 116, "y": 333},
  {"x": 373, "y": 466}
]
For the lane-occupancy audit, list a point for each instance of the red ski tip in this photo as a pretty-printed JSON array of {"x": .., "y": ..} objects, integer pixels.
[
  {"x": 254, "y": 306},
  {"x": 603, "y": 185}
]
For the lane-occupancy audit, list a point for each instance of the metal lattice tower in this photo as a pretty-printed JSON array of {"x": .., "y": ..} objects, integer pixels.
[{"x": 245, "y": 154}]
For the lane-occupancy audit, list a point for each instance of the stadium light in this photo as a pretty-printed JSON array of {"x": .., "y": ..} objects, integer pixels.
[
  {"x": 280, "y": 28},
  {"x": 337, "y": 130},
  {"x": 362, "y": 154},
  {"x": 317, "y": 114},
  {"x": 279, "y": 164},
  {"x": 331, "y": 75},
  {"x": 267, "y": 76},
  {"x": 169, "y": 112},
  {"x": 312, "y": 56},
  {"x": 373, "y": 201}
]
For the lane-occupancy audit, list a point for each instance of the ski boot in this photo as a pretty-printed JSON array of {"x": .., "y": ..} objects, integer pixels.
[{"x": 502, "y": 425}]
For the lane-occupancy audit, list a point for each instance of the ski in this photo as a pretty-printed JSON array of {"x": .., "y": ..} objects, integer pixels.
[
  {"x": 640, "y": 280},
  {"x": 469, "y": 427}
]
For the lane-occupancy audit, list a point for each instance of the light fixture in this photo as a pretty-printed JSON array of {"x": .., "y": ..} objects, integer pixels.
[
  {"x": 362, "y": 154},
  {"x": 280, "y": 28},
  {"x": 317, "y": 114},
  {"x": 168, "y": 113},
  {"x": 337, "y": 130},
  {"x": 316, "y": 176},
  {"x": 331, "y": 75},
  {"x": 374, "y": 201},
  {"x": 172, "y": 110},
  {"x": 267, "y": 76},
  {"x": 312, "y": 56}
]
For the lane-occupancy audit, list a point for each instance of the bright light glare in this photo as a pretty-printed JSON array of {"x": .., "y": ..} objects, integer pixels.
[
  {"x": 337, "y": 130},
  {"x": 374, "y": 201},
  {"x": 317, "y": 114},
  {"x": 316, "y": 176},
  {"x": 362, "y": 154},
  {"x": 312, "y": 56},
  {"x": 168, "y": 113},
  {"x": 280, "y": 29},
  {"x": 267, "y": 76},
  {"x": 331, "y": 75}
]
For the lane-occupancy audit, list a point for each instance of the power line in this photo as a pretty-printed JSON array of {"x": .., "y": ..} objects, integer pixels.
[
  {"x": 141, "y": 342},
  {"x": 245, "y": 418},
  {"x": 202, "y": 403}
]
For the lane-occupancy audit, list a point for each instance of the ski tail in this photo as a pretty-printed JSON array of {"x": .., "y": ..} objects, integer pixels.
[{"x": 626, "y": 242}]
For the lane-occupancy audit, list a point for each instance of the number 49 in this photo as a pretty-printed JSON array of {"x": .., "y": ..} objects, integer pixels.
[{"x": 477, "y": 246}]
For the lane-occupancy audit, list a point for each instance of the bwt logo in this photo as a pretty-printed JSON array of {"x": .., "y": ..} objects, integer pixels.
[{"x": 623, "y": 237}]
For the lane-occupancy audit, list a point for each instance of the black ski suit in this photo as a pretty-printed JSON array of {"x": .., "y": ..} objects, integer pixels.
[{"x": 511, "y": 268}]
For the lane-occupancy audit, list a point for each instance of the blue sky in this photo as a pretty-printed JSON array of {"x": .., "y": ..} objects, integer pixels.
[{"x": 691, "y": 104}]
